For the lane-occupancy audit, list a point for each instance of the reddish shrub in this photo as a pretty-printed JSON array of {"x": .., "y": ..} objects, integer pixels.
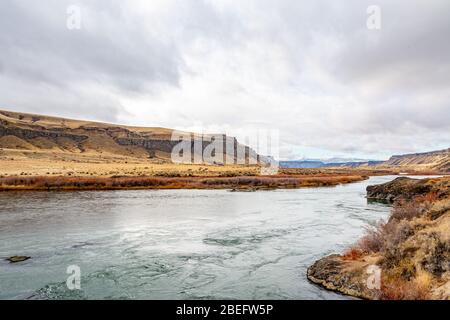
[
  {"x": 352, "y": 254},
  {"x": 373, "y": 240},
  {"x": 397, "y": 289},
  {"x": 407, "y": 210},
  {"x": 428, "y": 198}
]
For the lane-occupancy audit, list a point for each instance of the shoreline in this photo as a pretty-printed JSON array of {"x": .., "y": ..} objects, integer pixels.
[
  {"x": 238, "y": 183},
  {"x": 409, "y": 249},
  {"x": 286, "y": 179}
]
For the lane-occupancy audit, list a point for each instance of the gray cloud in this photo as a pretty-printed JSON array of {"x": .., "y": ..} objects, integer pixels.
[
  {"x": 109, "y": 47},
  {"x": 311, "y": 70}
]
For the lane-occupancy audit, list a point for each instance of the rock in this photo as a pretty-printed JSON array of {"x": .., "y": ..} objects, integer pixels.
[
  {"x": 42, "y": 133},
  {"x": 339, "y": 275},
  {"x": 407, "y": 188},
  {"x": 15, "y": 259},
  {"x": 121, "y": 140},
  {"x": 414, "y": 262}
]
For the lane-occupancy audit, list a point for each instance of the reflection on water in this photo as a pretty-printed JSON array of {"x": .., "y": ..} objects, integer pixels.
[{"x": 178, "y": 244}]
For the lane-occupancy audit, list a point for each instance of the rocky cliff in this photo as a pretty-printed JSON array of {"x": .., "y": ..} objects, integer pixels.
[
  {"x": 404, "y": 188},
  {"x": 37, "y": 133},
  {"x": 435, "y": 160}
]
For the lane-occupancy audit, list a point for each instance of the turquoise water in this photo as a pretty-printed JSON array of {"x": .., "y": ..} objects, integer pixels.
[{"x": 178, "y": 244}]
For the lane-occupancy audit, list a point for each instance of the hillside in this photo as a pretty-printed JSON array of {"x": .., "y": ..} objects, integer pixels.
[
  {"x": 33, "y": 144},
  {"x": 48, "y": 140},
  {"x": 435, "y": 160},
  {"x": 313, "y": 164}
]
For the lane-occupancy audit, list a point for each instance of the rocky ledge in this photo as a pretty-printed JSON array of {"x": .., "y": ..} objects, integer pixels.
[
  {"x": 408, "y": 188},
  {"x": 348, "y": 277},
  {"x": 16, "y": 259}
]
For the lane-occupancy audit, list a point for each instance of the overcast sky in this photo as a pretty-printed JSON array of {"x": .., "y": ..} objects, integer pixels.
[{"x": 312, "y": 70}]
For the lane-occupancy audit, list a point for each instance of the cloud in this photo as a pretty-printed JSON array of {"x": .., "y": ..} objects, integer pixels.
[{"x": 313, "y": 71}]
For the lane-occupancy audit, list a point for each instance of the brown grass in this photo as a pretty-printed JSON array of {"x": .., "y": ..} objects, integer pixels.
[
  {"x": 386, "y": 236},
  {"x": 396, "y": 288},
  {"x": 407, "y": 274},
  {"x": 145, "y": 182},
  {"x": 408, "y": 210},
  {"x": 352, "y": 254},
  {"x": 372, "y": 241}
]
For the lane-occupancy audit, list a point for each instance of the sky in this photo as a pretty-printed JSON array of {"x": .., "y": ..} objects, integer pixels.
[{"x": 322, "y": 74}]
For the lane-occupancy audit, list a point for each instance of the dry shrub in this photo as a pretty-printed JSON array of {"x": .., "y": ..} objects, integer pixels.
[
  {"x": 393, "y": 288},
  {"x": 427, "y": 198},
  {"x": 417, "y": 207},
  {"x": 437, "y": 257},
  {"x": 385, "y": 237},
  {"x": 395, "y": 234},
  {"x": 439, "y": 208},
  {"x": 352, "y": 254},
  {"x": 373, "y": 240},
  {"x": 403, "y": 269},
  {"x": 423, "y": 280},
  {"x": 410, "y": 259},
  {"x": 407, "y": 210},
  {"x": 169, "y": 180}
]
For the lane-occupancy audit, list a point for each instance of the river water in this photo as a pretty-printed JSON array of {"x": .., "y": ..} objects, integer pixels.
[{"x": 178, "y": 244}]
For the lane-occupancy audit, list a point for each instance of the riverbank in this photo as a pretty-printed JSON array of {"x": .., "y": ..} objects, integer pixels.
[
  {"x": 177, "y": 244},
  {"x": 411, "y": 250},
  {"x": 244, "y": 183}
]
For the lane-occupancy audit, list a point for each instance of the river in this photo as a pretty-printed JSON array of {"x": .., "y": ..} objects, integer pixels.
[{"x": 178, "y": 244}]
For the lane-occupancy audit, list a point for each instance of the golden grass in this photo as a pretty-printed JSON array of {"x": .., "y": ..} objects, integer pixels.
[
  {"x": 145, "y": 182},
  {"x": 412, "y": 245}
]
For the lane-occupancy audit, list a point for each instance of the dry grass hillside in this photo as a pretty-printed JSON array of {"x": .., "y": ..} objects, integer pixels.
[
  {"x": 38, "y": 136},
  {"x": 435, "y": 160},
  {"x": 37, "y": 145}
]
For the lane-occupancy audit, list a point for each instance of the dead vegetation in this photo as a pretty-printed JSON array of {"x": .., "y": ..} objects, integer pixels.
[
  {"x": 411, "y": 248},
  {"x": 163, "y": 182},
  {"x": 414, "y": 247}
]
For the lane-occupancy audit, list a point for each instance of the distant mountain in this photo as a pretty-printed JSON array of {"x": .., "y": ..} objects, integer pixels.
[
  {"x": 427, "y": 161},
  {"x": 368, "y": 163},
  {"x": 346, "y": 160},
  {"x": 307, "y": 164},
  {"x": 335, "y": 162}
]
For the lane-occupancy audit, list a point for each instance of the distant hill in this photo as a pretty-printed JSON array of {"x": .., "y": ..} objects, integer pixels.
[
  {"x": 324, "y": 164},
  {"x": 434, "y": 160},
  {"x": 369, "y": 163},
  {"x": 438, "y": 161},
  {"x": 306, "y": 164},
  {"x": 30, "y": 134},
  {"x": 45, "y": 137}
]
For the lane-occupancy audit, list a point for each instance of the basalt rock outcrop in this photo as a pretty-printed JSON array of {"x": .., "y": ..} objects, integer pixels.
[
  {"x": 407, "y": 188},
  {"x": 347, "y": 277},
  {"x": 28, "y": 132}
]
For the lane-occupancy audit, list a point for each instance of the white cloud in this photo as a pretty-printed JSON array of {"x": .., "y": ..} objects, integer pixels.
[{"x": 310, "y": 70}]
